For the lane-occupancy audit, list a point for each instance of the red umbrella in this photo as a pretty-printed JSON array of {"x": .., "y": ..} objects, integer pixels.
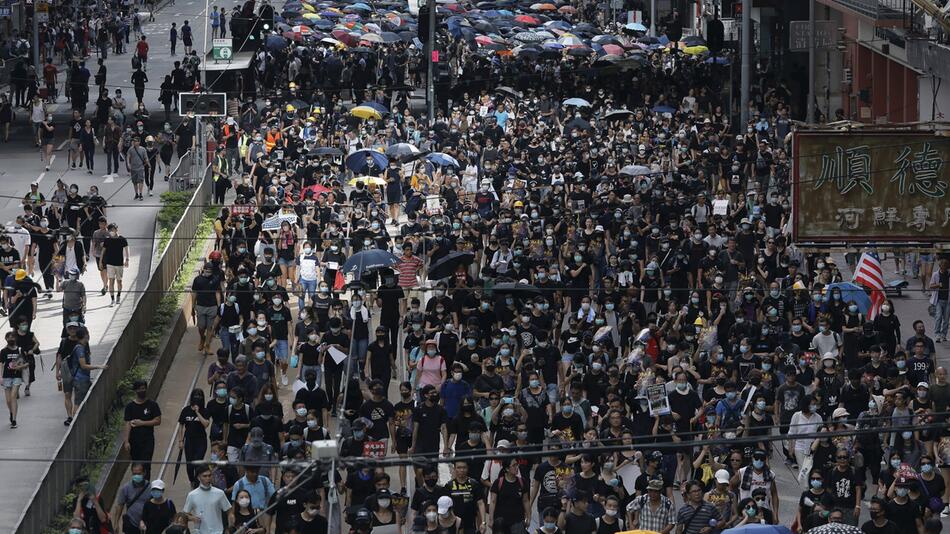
[
  {"x": 613, "y": 49},
  {"x": 527, "y": 19},
  {"x": 483, "y": 40},
  {"x": 316, "y": 188},
  {"x": 455, "y": 8}
]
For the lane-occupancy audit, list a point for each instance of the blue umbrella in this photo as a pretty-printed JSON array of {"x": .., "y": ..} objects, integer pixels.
[
  {"x": 369, "y": 260},
  {"x": 360, "y": 6},
  {"x": 443, "y": 159},
  {"x": 758, "y": 528},
  {"x": 851, "y": 292},
  {"x": 356, "y": 161},
  {"x": 663, "y": 109},
  {"x": 275, "y": 42},
  {"x": 635, "y": 27},
  {"x": 717, "y": 60}
]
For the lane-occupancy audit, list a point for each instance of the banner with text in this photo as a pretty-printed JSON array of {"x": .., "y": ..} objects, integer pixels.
[{"x": 870, "y": 186}]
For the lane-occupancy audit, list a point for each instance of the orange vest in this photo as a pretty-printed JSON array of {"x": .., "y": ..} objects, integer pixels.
[{"x": 270, "y": 141}]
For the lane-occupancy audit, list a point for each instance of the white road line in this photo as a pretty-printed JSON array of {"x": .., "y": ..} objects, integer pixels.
[
  {"x": 40, "y": 177},
  {"x": 51, "y": 160},
  {"x": 61, "y": 145}
]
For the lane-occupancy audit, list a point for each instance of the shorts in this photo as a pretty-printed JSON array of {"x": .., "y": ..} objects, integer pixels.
[
  {"x": 403, "y": 443},
  {"x": 74, "y": 144},
  {"x": 99, "y": 265},
  {"x": 943, "y": 452},
  {"x": 137, "y": 176},
  {"x": 114, "y": 271},
  {"x": 286, "y": 262},
  {"x": 205, "y": 316},
  {"x": 80, "y": 389},
  {"x": 281, "y": 350},
  {"x": 9, "y": 383}
]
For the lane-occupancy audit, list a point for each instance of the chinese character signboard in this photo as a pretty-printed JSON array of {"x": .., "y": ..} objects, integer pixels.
[{"x": 871, "y": 186}]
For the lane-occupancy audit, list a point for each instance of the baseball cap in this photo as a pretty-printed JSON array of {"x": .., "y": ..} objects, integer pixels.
[
  {"x": 504, "y": 444},
  {"x": 722, "y": 476},
  {"x": 840, "y": 412},
  {"x": 158, "y": 484},
  {"x": 20, "y": 274},
  {"x": 923, "y": 385},
  {"x": 444, "y": 503}
]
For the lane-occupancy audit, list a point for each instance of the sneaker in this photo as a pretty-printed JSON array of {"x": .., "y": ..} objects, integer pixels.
[
  {"x": 149, "y": 192},
  {"x": 12, "y": 423},
  {"x": 283, "y": 380},
  {"x": 118, "y": 297},
  {"x": 111, "y": 302},
  {"x": 88, "y": 171},
  {"x": 73, "y": 165},
  {"x": 26, "y": 391},
  {"x": 68, "y": 421},
  {"x": 47, "y": 168}
]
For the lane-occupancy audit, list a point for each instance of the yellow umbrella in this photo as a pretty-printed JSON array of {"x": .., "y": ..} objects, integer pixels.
[
  {"x": 695, "y": 50},
  {"x": 365, "y": 112},
  {"x": 369, "y": 180},
  {"x": 310, "y": 16},
  {"x": 308, "y": 8}
]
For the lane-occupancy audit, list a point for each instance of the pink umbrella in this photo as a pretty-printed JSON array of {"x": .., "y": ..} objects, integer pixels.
[
  {"x": 613, "y": 49},
  {"x": 483, "y": 40},
  {"x": 302, "y": 30}
]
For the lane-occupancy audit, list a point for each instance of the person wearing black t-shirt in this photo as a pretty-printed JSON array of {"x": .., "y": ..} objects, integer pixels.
[
  {"x": 879, "y": 522},
  {"x": 333, "y": 372},
  {"x": 142, "y": 415},
  {"x": 429, "y": 420},
  {"x": 379, "y": 358},
  {"x": 115, "y": 257},
  {"x": 575, "y": 519},
  {"x": 193, "y": 438},
  {"x": 238, "y": 425},
  {"x": 379, "y": 411}
]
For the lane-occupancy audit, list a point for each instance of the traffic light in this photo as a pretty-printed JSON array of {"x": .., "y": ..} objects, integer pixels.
[
  {"x": 715, "y": 35},
  {"x": 202, "y": 104}
]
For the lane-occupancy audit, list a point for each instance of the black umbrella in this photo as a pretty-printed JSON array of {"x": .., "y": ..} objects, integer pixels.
[
  {"x": 369, "y": 260},
  {"x": 509, "y": 91},
  {"x": 580, "y": 51},
  {"x": 326, "y": 151},
  {"x": 447, "y": 265},
  {"x": 618, "y": 114},
  {"x": 517, "y": 289},
  {"x": 578, "y": 124}
]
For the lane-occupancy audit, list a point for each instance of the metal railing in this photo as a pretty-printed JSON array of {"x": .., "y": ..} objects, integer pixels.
[
  {"x": 46, "y": 500},
  {"x": 879, "y": 9}
]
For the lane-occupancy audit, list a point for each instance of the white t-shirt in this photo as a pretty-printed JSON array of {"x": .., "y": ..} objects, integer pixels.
[
  {"x": 308, "y": 267},
  {"x": 208, "y": 505}
]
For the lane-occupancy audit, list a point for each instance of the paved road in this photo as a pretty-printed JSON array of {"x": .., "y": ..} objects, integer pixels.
[{"x": 41, "y": 415}]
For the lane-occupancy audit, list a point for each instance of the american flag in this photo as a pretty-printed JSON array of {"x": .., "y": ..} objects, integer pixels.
[{"x": 870, "y": 275}]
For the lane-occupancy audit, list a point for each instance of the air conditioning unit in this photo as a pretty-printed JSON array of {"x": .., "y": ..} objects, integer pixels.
[{"x": 846, "y": 76}]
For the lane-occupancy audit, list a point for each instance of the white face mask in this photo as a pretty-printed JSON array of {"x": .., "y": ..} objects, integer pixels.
[{"x": 244, "y": 501}]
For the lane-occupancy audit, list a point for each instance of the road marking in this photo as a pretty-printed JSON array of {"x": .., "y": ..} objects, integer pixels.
[
  {"x": 51, "y": 160},
  {"x": 40, "y": 177},
  {"x": 61, "y": 145},
  {"x": 109, "y": 179}
]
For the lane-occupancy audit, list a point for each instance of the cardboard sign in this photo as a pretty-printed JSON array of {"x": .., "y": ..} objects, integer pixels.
[
  {"x": 657, "y": 400},
  {"x": 241, "y": 209},
  {"x": 374, "y": 449}
]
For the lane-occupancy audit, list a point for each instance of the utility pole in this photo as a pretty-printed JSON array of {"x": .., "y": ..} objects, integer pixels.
[
  {"x": 36, "y": 38},
  {"x": 653, "y": 18},
  {"x": 430, "y": 81},
  {"x": 746, "y": 62},
  {"x": 810, "y": 114}
]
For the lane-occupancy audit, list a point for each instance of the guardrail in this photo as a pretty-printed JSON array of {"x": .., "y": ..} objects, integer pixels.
[{"x": 45, "y": 502}]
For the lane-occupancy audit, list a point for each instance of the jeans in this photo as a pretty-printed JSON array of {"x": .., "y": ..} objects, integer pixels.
[
  {"x": 112, "y": 161},
  {"x": 229, "y": 342},
  {"x": 358, "y": 348},
  {"x": 308, "y": 288},
  {"x": 942, "y": 318}
]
